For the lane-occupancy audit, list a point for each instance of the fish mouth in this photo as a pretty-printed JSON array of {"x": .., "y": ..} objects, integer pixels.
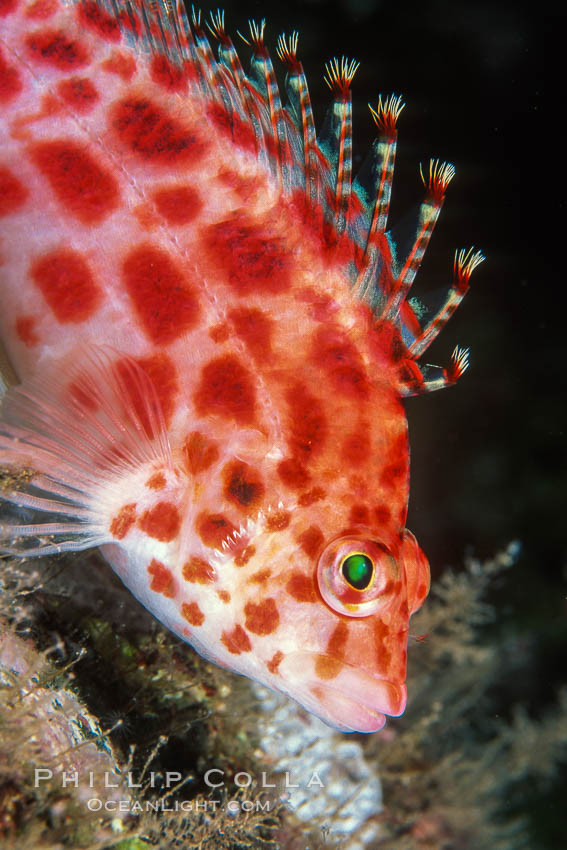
[{"x": 352, "y": 701}]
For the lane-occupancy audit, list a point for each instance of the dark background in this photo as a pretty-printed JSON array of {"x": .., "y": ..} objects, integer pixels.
[{"x": 488, "y": 456}]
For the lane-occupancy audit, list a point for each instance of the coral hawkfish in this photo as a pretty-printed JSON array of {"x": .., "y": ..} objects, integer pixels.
[{"x": 209, "y": 327}]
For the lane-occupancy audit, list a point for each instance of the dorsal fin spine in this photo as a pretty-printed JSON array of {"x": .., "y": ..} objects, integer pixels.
[
  {"x": 466, "y": 261},
  {"x": 440, "y": 175},
  {"x": 320, "y": 166},
  {"x": 300, "y": 102},
  {"x": 338, "y": 77},
  {"x": 385, "y": 117},
  {"x": 265, "y": 74}
]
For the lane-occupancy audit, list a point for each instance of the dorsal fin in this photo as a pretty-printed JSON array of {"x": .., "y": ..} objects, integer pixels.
[{"x": 313, "y": 172}]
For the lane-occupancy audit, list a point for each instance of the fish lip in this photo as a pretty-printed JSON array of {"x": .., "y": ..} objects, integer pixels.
[{"x": 353, "y": 701}]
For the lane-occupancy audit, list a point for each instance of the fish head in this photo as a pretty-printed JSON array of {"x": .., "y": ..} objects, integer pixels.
[{"x": 323, "y": 619}]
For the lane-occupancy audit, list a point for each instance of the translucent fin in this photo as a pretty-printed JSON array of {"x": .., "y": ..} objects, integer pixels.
[
  {"x": 417, "y": 379},
  {"x": 263, "y": 74},
  {"x": 67, "y": 444},
  {"x": 301, "y": 113},
  {"x": 466, "y": 261},
  {"x": 440, "y": 175}
]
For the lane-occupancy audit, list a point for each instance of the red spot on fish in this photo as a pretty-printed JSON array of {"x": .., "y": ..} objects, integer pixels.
[
  {"x": 25, "y": 329},
  {"x": 232, "y": 127},
  {"x": 356, "y": 448},
  {"x": 381, "y": 641},
  {"x": 156, "y": 481},
  {"x": 10, "y": 82},
  {"x": 245, "y": 187},
  {"x": 421, "y": 593},
  {"x": 312, "y": 496},
  {"x": 224, "y": 596},
  {"x": 198, "y": 570},
  {"x": 340, "y": 360},
  {"x": 219, "y": 333},
  {"x": 53, "y": 47},
  {"x": 192, "y": 613},
  {"x": 329, "y": 666},
  {"x": 382, "y": 514},
  {"x": 41, "y": 10},
  {"x": 120, "y": 64},
  {"x": 293, "y": 474},
  {"x": 97, "y": 19},
  {"x": 178, "y": 204},
  {"x": 307, "y": 422},
  {"x": 164, "y": 301},
  {"x": 359, "y": 515},
  {"x": 302, "y": 587},
  {"x": 154, "y": 135},
  {"x": 86, "y": 190},
  {"x": 123, "y": 521},
  {"x": 170, "y": 77},
  {"x": 337, "y": 641},
  {"x": 278, "y": 520},
  {"x": 321, "y": 306},
  {"x": 213, "y": 529},
  {"x": 275, "y": 662},
  {"x": 13, "y": 193},
  {"x": 200, "y": 452},
  {"x": 260, "y": 577},
  {"x": 162, "y": 579},
  {"x": 67, "y": 284},
  {"x": 161, "y": 371},
  {"x": 162, "y": 522},
  {"x": 262, "y": 618},
  {"x": 79, "y": 93},
  {"x": 242, "y": 558},
  {"x": 392, "y": 473},
  {"x": 242, "y": 484},
  {"x": 311, "y": 540},
  {"x": 226, "y": 389},
  {"x": 255, "y": 328},
  {"x": 252, "y": 261},
  {"x": 7, "y": 6},
  {"x": 236, "y": 641}
]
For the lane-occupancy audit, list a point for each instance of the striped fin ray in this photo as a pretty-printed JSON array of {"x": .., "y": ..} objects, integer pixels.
[
  {"x": 380, "y": 168},
  {"x": 351, "y": 215},
  {"x": 263, "y": 75},
  {"x": 248, "y": 103},
  {"x": 299, "y": 108},
  {"x": 221, "y": 88},
  {"x": 466, "y": 261},
  {"x": 336, "y": 138},
  {"x": 440, "y": 175}
]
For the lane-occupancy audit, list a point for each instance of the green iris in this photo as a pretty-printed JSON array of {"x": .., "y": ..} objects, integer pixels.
[{"x": 357, "y": 570}]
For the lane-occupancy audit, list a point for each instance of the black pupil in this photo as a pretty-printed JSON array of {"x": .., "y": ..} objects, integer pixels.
[{"x": 357, "y": 570}]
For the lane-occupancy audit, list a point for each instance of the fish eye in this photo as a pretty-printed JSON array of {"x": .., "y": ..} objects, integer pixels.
[
  {"x": 357, "y": 576},
  {"x": 357, "y": 570}
]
